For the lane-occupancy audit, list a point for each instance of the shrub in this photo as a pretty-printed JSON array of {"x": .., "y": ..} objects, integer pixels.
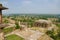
[{"x": 17, "y": 25}]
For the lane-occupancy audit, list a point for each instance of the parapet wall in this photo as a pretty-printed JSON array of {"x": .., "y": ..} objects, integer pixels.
[{"x": 1, "y": 36}]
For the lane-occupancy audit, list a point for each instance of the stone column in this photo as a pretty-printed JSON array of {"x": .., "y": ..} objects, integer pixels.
[{"x": 0, "y": 16}]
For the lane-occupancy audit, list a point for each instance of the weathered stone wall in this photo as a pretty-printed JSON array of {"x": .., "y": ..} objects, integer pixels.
[
  {"x": 2, "y": 36},
  {"x": 42, "y": 23},
  {"x": 45, "y": 37}
]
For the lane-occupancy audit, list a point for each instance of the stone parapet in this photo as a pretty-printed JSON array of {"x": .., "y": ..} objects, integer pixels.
[{"x": 2, "y": 36}]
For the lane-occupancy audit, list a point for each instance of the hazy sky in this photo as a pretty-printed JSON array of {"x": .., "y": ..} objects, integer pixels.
[{"x": 32, "y": 6}]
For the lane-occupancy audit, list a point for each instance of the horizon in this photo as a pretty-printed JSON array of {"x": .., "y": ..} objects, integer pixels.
[{"x": 32, "y": 13}]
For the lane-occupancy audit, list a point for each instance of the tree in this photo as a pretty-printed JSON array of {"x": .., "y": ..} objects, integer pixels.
[
  {"x": 6, "y": 21},
  {"x": 51, "y": 34},
  {"x": 17, "y": 25}
]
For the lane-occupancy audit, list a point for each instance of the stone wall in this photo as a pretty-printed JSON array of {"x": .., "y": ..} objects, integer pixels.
[
  {"x": 45, "y": 37},
  {"x": 42, "y": 23},
  {"x": 2, "y": 36}
]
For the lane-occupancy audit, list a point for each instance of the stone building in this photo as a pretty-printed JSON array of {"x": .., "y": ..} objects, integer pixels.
[
  {"x": 42, "y": 23},
  {"x": 2, "y": 25},
  {"x": 1, "y": 8}
]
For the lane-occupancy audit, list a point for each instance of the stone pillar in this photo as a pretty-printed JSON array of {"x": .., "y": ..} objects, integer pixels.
[{"x": 0, "y": 16}]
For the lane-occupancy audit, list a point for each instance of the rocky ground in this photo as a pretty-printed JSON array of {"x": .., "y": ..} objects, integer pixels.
[{"x": 29, "y": 34}]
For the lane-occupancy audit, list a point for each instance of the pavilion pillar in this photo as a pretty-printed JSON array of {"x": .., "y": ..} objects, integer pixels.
[{"x": 0, "y": 16}]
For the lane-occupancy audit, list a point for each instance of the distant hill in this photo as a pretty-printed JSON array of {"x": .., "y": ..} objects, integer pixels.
[{"x": 46, "y": 15}]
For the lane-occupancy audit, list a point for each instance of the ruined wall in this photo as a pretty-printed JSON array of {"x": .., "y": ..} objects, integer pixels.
[
  {"x": 44, "y": 24},
  {"x": 1, "y": 36}
]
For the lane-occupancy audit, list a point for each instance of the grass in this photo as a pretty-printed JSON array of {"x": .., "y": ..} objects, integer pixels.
[
  {"x": 8, "y": 30},
  {"x": 58, "y": 25},
  {"x": 14, "y": 37}
]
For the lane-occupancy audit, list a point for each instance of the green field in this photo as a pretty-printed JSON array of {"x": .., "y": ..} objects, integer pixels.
[
  {"x": 14, "y": 37},
  {"x": 8, "y": 30}
]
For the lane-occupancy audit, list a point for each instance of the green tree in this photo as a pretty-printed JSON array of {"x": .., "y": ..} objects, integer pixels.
[
  {"x": 17, "y": 25},
  {"x": 6, "y": 21}
]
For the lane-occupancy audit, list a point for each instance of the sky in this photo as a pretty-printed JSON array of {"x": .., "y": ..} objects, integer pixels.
[{"x": 32, "y": 6}]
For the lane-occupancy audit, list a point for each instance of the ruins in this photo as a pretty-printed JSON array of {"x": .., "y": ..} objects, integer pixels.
[
  {"x": 2, "y": 25},
  {"x": 42, "y": 23}
]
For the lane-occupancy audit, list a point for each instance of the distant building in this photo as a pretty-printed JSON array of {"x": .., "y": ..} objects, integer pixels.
[{"x": 42, "y": 23}]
